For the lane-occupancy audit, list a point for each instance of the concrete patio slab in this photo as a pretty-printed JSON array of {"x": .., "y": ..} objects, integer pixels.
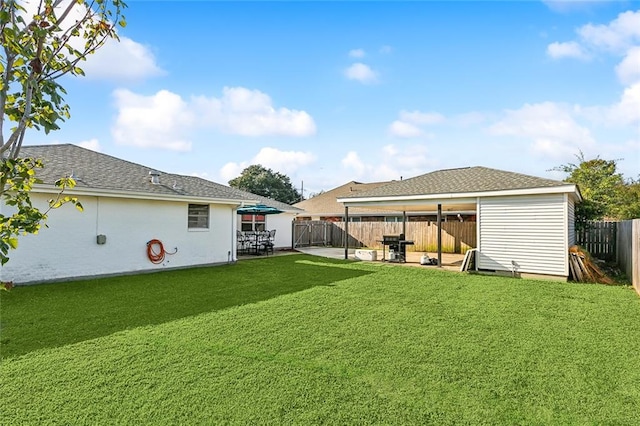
[{"x": 450, "y": 261}]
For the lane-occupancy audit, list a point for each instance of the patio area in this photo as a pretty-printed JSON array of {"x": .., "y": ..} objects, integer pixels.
[{"x": 450, "y": 261}]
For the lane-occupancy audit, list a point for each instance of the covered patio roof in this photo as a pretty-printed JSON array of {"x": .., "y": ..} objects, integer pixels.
[
  {"x": 459, "y": 189},
  {"x": 454, "y": 190}
]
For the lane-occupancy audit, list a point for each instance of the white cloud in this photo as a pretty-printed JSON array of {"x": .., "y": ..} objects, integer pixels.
[
  {"x": 570, "y": 49},
  {"x": 619, "y": 35},
  {"x": 232, "y": 170},
  {"x": 627, "y": 111},
  {"x": 357, "y": 53},
  {"x": 402, "y": 129},
  {"x": 624, "y": 112},
  {"x": 165, "y": 120},
  {"x": 286, "y": 162},
  {"x": 392, "y": 163},
  {"x": 91, "y": 144},
  {"x": 409, "y": 122},
  {"x": 283, "y": 161},
  {"x": 469, "y": 119},
  {"x": 114, "y": 60},
  {"x": 245, "y": 112},
  {"x": 353, "y": 162},
  {"x": 628, "y": 70},
  {"x": 107, "y": 62},
  {"x": 158, "y": 121},
  {"x": 390, "y": 150},
  {"x": 421, "y": 118},
  {"x": 551, "y": 127},
  {"x": 362, "y": 73}
]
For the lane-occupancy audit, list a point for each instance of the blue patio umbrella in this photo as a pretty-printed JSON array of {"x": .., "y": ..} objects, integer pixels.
[{"x": 259, "y": 209}]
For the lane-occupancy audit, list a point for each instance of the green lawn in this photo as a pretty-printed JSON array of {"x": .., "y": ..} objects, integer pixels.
[{"x": 306, "y": 340}]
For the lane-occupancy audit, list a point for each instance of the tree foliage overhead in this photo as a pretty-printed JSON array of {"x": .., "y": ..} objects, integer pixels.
[
  {"x": 42, "y": 40},
  {"x": 605, "y": 193},
  {"x": 267, "y": 183}
]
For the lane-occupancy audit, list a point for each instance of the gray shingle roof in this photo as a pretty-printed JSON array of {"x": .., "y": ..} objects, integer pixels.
[
  {"x": 326, "y": 204},
  {"x": 96, "y": 171},
  {"x": 462, "y": 180}
]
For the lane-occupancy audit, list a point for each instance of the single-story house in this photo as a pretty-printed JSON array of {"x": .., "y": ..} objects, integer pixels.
[
  {"x": 525, "y": 224},
  {"x": 126, "y": 205},
  {"x": 325, "y": 206}
]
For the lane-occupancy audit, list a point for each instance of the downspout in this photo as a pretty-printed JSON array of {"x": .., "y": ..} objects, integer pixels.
[
  {"x": 232, "y": 255},
  {"x": 439, "y": 220},
  {"x": 566, "y": 233},
  {"x": 478, "y": 233},
  {"x": 346, "y": 232}
]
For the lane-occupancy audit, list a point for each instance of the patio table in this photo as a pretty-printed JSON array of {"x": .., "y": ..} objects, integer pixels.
[{"x": 258, "y": 240}]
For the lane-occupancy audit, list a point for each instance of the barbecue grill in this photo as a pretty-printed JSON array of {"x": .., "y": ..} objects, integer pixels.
[{"x": 397, "y": 247}]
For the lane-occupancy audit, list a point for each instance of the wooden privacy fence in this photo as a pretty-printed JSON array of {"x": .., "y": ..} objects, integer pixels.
[
  {"x": 457, "y": 237},
  {"x": 599, "y": 239}
]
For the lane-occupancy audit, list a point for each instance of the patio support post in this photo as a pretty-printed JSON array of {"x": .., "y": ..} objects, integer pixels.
[
  {"x": 404, "y": 224},
  {"x": 439, "y": 220},
  {"x": 346, "y": 232}
]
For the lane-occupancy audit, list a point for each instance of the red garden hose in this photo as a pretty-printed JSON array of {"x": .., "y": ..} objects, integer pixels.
[{"x": 156, "y": 252}]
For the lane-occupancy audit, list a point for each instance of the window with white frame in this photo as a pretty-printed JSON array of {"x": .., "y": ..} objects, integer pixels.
[
  {"x": 253, "y": 222},
  {"x": 198, "y": 216}
]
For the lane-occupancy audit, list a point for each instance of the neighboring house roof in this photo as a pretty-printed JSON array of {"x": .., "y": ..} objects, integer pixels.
[
  {"x": 467, "y": 180},
  {"x": 326, "y": 204},
  {"x": 95, "y": 172}
]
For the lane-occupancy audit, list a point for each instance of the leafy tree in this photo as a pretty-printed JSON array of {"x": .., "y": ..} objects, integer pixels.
[
  {"x": 604, "y": 190},
  {"x": 42, "y": 41},
  {"x": 629, "y": 207},
  {"x": 262, "y": 181}
]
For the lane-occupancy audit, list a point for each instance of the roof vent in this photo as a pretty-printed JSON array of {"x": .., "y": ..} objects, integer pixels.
[{"x": 154, "y": 177}]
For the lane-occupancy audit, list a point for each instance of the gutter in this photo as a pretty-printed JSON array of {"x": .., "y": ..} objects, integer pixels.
[
  {"x": 471, "y": 195},
  {"x": 48, "y": 189}
]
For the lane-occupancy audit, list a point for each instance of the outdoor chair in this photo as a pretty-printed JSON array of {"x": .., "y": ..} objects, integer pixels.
[
  {"x": 268, "y": 241},
  {"x": 242, "y": 242}
]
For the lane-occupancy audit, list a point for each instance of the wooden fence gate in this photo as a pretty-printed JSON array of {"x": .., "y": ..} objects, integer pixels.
[
  {"x": 311, "y": 233},
  {"x": 599, "y": 239}
]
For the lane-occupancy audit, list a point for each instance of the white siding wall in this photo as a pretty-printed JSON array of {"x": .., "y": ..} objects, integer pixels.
[
  {"x": 528, "y": 230},
  {"x": 68, "y": 247}
]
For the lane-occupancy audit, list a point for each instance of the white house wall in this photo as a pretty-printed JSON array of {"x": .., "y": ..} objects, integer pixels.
[
  {"x": 68, "y": 248},
  {"x": 525, "y": 232},
  {"x": 282, "y": 224}
]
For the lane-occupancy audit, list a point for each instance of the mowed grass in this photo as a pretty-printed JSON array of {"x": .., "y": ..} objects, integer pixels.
[{"x": 305, "y": 340}]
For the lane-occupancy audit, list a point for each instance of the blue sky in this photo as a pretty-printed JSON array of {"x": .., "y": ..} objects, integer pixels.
[{"x": 328, "y": 92}]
